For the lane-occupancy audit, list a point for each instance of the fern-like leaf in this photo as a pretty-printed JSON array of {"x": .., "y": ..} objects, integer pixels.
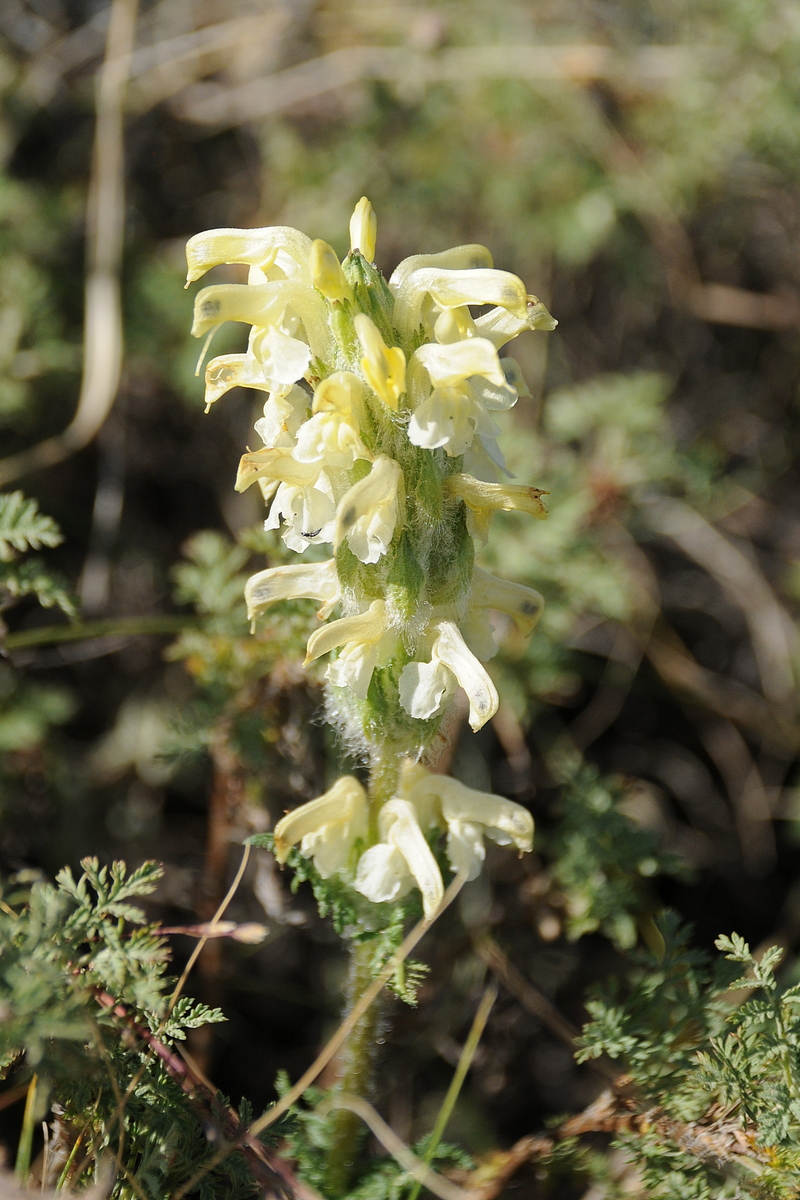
[
  {"x": 23, "y": 527},
  {"x": 32, "y": 578}
]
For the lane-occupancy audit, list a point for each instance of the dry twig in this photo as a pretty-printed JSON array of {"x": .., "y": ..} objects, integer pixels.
[{"x": 102, "y": 337}]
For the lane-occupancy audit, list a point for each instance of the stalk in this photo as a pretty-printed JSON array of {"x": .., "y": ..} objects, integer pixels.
[
  {"x": 23, "y": 1164},
  {"x": 346, "y": 1128}
]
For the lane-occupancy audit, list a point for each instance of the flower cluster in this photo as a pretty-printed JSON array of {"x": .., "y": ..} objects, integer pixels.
[
  {"x": 332, "y": 831},
  {"x": 379, "y": 440}
]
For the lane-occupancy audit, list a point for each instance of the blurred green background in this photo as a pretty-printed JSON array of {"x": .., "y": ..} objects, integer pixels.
[{"x": 637, "y": 165}]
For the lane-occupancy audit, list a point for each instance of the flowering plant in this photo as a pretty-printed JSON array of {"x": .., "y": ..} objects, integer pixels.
[{"x": 379, "y": 439}]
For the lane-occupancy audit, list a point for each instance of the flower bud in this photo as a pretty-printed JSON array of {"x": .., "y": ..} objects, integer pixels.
[
  {"x": 384, "y": 367},
  {"x": 326, "y": 272},
  {"x": 364, "y": 229}
]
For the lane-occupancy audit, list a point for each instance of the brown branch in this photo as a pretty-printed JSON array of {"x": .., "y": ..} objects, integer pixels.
[
  {"x": 719, "y": 695},
  {"x": 715, "y": 1140},
  {"x": 771, "y": 633}
]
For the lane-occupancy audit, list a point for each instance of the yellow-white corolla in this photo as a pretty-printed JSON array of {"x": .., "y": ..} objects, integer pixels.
[{"x": 330, "y": 829}]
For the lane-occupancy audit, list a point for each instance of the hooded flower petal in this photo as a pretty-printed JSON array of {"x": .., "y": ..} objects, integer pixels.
[
  {"x": 368, "y": 514},
  {"x": 501, "y": 325},
  {"x": 458, "y": 361},
  {"x": 504, "y": 821},
  {"x": 308, "y": 581},
  {"x": 458, "y": 258},
  {"x": 424, "y": 688},
  {"x": 253, "y": 247},
  {"x": 275, "y": 464},
  {"x": 327, "y": 827},
  {"x": 469, "y": 815},
  {"x": 233, "y": 370},
  {"x": 367, "y": 627},
  {"x": 454, "y": 289},
  {"x": 485, "y": 499},
  {"x": 523, "y": 604},
  {"x": 264, "y": 305}
]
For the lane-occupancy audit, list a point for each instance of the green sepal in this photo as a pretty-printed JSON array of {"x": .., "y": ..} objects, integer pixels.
[
  {"x": 424, "y": 482},
  {"x": 451, "y": 562},
  {"x": 372, "y": 295},
  {"x": 343, "y": 329},
  {"x": 405, "y": 578},
  {"x": 318, "y": 370},
  {"x": 348, "y": 568}
]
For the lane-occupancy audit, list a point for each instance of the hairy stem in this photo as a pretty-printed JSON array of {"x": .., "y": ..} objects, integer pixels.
[
  {"x": 346, "y": 1128},
  {"x": 359, "y": 1050}
]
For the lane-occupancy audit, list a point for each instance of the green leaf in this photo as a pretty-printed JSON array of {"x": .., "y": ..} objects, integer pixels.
[
  {"x": 32, "y": 578},
  {"x": 23, "y": 527}
]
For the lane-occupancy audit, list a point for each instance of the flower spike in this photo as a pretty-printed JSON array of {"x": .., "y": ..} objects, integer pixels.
[{"x": 372, "y": 390}]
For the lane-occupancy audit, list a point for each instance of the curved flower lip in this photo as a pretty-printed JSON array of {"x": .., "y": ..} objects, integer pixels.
[
  {"x": 500, "y": 326},
  {"x": 455, "y": 362},
  {"x": 342, "y": 805},
  {"x": 307, "y": 581},
  {"x": 523, "y": 604},
  {"x": 284, "y": 413},
  {"x": 451, "y": 417},
  {"x": 382, "y": 874},
  {"x": 485, "y": 499},
  {"x": 451, "y": 649},
  {"x": 400, "y": 828},
  {"x": 228, "y": 371},
  {"x": 459, "y": 258},
  {"x": 251, "y": 247},
  {"x": 332, "y": 434},
  {"x": 454, "y": 289},
  {"x": 274, "y": 464},
  {"x": 367, "y": 627}
]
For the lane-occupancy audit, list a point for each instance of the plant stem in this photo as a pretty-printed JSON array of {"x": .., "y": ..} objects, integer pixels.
[
  {"x": 23, "y": 1164},
  {"x": 84, "y": 630},
  {"x": 346, "y": 1128},
  {"x": 383, "y": 773}
]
